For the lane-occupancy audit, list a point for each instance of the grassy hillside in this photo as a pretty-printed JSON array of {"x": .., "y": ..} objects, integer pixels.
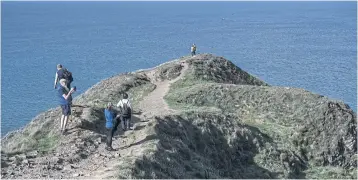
[{"x": 223, "y": 123}]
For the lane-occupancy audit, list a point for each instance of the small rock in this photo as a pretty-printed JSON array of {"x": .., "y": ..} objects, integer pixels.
[
  {"x": 117, "y": 155},
  {"x": 99, "y": 140},
  {"x": 13, "y": 158},
  {"x": 21, "y": 156},
  {"x": 25, "y": 161},
  {"x": 56, "y": 160},
  {"x": 76, "y": 175},
  {"x": 31, "y": 161},
  {"x": 32, "y": 154},
  {"x": 67, "y": 167},
  {"x": 74, "y": 159},
  {"x": 59, "y": 168},
  {"x": 18, "y": 162},
  {"x": 97, "y": 155},
  {"x": 4, "y": 164}
]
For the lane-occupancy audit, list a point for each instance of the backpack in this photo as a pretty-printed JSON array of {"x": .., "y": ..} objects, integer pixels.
[
  {"x": 126, "y": 110},
  {"x": 67, "y": 75}
]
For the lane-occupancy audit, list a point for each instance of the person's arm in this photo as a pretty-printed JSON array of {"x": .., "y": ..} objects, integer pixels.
[
  {"x": 66, "y": 96},
  {"x": 56, "y": 78}
]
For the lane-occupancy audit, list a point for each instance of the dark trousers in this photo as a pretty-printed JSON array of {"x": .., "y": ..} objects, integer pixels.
[
  {"x": 192, "y": 53},
  {"x": 111, "y": 131},
  {"x": 125, "y": 122}
]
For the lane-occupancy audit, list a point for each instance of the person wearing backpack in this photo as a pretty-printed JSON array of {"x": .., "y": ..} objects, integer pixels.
[
  {"x": 126, "y": 112},
  {"x": 112, "y": 122},
  {"x": 65, "y": 101},
  {"x": 63, "y": 73}
]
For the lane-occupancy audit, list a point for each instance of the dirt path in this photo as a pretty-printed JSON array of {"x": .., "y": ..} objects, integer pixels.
[
  {"x": 154, "y": 104},
  {"x": 129, "y": 148}
]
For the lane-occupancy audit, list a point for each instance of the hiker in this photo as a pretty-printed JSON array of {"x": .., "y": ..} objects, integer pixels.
[
  {"x": 112, "y": 121},
  {"x": 193, "y": 49},
  {"x": 63, "y": 73},
  {"x": 64, "y": 94},
  {"x": 126, "y": 112}
]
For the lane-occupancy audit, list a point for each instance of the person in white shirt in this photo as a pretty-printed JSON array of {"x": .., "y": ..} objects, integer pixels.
[{"x": 126, "y": 112}]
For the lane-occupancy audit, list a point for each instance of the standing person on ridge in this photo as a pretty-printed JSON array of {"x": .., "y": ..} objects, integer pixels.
[
  {"x": 126, "y": 112},
  {"x": 63, "y": 73},
  {"x": 65, "y": 98},
  {"x": 193, "y": 49},
  {"x": 112, "y": 122}
]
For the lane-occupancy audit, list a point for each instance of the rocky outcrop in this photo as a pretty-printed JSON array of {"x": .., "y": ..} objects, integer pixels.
[
  {"x": 211, "y": 68},
  {"x": 330, "y": 139}
]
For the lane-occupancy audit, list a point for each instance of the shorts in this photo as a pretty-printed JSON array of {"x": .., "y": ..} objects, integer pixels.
[{"x": 66, "y": 109}]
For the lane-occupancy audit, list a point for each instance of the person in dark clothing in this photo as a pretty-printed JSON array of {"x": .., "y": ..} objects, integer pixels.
[
  {"x": 126, "y": 112},
  {"x": 193, "y": 50},
  {"x": 60, "y": 75},
  {"x": 112, "y": 122},
  {"x": 65, "y": 98}
]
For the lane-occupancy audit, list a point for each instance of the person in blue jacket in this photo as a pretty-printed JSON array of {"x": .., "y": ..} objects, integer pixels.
[{"x": 112, "y": 121}]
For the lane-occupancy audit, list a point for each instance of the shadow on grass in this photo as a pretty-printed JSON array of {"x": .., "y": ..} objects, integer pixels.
[
  {"x": 199, "y": 148},
  {"x": 147, "y": 138}
]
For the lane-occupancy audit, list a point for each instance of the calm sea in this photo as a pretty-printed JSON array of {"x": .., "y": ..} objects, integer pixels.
[{"x": 309, "y": 45}]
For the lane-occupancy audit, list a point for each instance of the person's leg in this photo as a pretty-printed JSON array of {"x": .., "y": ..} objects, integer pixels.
[
  {"x": 63, "y": 108},
  {"x": 65, "y": 123},
  {"x": 62, "y": 121},
  {"x": 123, "y": 123},
  {"x": 67, "y": 114},
  {"x": 128, "y": 119},
  {"x": 109, "y": 138}
]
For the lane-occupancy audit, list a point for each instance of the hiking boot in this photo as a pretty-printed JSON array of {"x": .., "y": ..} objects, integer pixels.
[
  {"x": 63, "y": 132},
  {"x": 109, "y": 148}
]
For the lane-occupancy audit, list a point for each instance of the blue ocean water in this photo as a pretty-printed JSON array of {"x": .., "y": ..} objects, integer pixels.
[{"x": 309, "y": 45}]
